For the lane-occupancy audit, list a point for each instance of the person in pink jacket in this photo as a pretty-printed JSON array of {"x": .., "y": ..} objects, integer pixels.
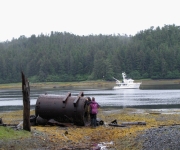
[{"x": 94, "y": 110}]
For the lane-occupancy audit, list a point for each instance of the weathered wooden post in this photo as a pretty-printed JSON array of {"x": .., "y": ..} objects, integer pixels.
[{"x": 26, "y": 103}]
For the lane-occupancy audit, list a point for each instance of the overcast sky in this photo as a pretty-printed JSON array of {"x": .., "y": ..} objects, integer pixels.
[{"x": 84, "y": 17}]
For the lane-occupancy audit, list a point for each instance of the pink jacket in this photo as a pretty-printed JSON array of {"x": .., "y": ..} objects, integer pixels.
[{"x": 94, "y": 107}]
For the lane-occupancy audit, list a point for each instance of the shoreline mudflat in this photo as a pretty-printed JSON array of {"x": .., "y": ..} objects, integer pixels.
[{"x": 129, "y": 137}]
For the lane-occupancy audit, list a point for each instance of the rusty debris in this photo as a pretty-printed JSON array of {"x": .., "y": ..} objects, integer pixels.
[
  {"x": 62, "y": 110},
  {"x": 1, "y": 122},
  {"x": 115, "y": 124}
]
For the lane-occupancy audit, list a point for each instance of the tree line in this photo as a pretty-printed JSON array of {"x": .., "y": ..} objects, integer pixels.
[{"x": 61, "y": 56}]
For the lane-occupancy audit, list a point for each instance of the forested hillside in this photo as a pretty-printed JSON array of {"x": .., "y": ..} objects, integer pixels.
[{"x": 152, "y": 53}]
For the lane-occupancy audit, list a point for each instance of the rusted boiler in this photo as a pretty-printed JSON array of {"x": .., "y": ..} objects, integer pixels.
[{"x": 64, "y": 109}]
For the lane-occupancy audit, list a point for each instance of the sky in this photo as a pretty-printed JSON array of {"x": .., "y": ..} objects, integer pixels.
[{"x": 84, "y": 17}]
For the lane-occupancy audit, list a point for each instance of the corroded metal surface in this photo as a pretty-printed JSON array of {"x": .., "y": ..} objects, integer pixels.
[{"x": 64, "y": 109}]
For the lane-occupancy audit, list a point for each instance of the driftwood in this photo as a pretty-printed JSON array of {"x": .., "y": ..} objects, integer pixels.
[
  {"x": 134, "y": 123},
  {"x": 124, "y": 124},
  {"x": 163, "y": 125},
  {"x": 26, "y": 103},
  {"x": 53, "y": 122},
  {"x": 116, "y": 125},
  {"x": 4, "y": 124}
]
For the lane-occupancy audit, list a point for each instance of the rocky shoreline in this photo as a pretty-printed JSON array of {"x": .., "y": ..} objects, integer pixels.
[{"x": 162, "y": 138}]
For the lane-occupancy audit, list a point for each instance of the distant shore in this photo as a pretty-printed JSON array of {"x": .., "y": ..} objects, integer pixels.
[
  {"x": 82, "y": 84},
  {"x": 101, "y": 84}
]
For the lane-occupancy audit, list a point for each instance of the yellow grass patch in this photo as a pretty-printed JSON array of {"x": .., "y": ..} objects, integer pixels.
[{"x": 103, "y": 133}]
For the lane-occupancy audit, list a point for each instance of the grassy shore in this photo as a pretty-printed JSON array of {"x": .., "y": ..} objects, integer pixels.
[
  {"x": 82, "y": 84},
  {"x": 84, "y": 137},
  {"x": 146, "y": 84}
]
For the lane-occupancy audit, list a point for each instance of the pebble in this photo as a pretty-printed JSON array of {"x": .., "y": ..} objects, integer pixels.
[{"x": 162, "y": 138}]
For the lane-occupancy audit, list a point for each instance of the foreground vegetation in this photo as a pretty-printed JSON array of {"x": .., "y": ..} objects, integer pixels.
[
  {"x": 9, "y": 133},
  {"x": 74, "y": 136}
]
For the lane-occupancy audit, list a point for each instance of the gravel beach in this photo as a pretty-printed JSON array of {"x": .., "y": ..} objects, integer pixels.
[{"x": 162, "y": 138}]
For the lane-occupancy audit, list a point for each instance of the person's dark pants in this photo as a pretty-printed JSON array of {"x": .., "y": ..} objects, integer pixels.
[{"x": 93, "y": 120}]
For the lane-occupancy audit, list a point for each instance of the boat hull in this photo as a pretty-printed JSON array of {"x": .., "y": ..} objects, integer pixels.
[
  {"x": 127, "y": 86},
  {"x": 127, "y": 83}
]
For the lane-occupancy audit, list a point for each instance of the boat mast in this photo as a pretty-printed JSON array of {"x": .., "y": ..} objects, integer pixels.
[{"x": 124, "y": 75}]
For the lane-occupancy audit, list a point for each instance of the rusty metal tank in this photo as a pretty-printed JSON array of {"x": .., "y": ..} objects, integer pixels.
[{"x": 64, "y": 109}]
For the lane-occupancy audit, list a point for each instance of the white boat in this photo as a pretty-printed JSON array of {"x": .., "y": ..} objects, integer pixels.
[{"x": 126, "y": 83}]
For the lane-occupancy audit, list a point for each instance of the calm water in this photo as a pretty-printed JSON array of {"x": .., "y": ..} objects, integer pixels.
[{"x": 135, "y": 98}]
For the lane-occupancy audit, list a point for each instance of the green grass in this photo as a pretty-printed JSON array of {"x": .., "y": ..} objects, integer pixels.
[
  {"x": 90, "y": 84},
  {"x": 10, "y": 85},
  {"x": 57, "y": 84},
  {"x": 9, "y": 133}
]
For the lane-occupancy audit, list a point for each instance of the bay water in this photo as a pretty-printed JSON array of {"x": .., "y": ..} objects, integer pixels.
[{"x": 11, "y": 99}]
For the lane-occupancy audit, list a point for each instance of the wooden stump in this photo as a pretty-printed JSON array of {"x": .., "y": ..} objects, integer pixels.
[{"x": 26, "y": 103}]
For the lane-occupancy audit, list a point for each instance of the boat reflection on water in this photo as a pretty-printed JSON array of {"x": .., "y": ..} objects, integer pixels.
[{"x": 127, "y": 83}]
